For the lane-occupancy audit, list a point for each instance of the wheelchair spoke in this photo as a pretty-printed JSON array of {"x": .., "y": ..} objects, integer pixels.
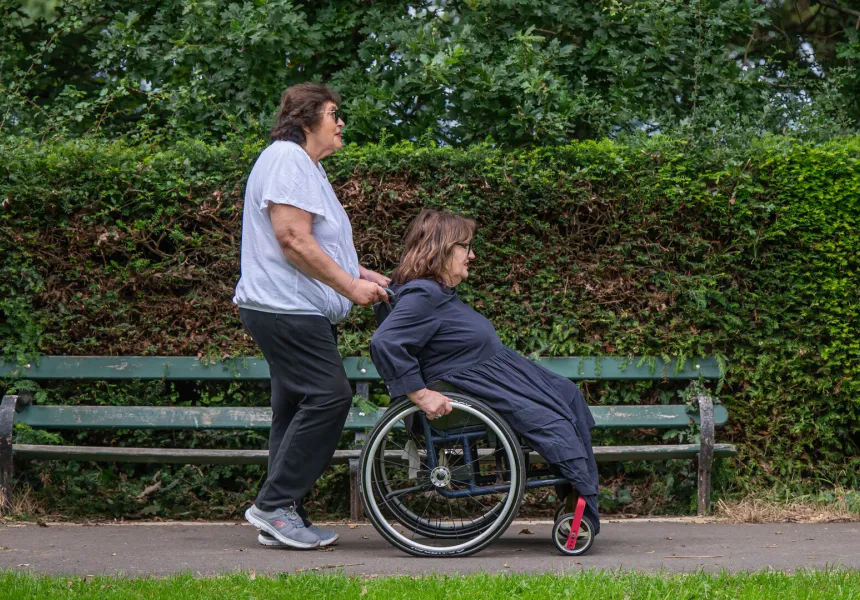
[
  {"x": 410, "y": 490},
  {"x": 429, "y": 500},
  {"x": 451, "y": 512},
  {"x": 402, "y": 449}
]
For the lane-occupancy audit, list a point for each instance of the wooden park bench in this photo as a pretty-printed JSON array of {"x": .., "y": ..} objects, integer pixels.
[{"x": 20, "y": 409}]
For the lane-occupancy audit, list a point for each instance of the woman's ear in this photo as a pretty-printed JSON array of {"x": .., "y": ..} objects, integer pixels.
[{"x": 307, "y": 130}]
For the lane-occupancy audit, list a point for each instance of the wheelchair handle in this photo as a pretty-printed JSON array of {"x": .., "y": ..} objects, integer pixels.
[{"x": 392, "y": 299}]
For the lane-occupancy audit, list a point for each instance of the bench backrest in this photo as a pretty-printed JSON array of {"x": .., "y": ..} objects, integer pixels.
[{"x": 357, "y": 368}]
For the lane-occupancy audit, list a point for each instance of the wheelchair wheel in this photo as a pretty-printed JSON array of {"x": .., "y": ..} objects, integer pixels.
[
  {"x": 444, "y": 487},
  {"x": 561, "y": 533}
]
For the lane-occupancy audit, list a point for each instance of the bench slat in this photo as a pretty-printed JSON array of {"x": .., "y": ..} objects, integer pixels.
[
  {"x": 357, "y": 368},
  {"x": 260, "y": 457},
  {"x": 181, "y": 417}
]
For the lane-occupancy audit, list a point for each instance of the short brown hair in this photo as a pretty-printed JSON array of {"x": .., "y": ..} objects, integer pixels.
[
  {"x": 430, "y": 239},
  {"x": 301, "y": 108}
]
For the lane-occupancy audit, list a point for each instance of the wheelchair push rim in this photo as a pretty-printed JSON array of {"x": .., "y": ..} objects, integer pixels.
[{"x": 448, "y": 501}]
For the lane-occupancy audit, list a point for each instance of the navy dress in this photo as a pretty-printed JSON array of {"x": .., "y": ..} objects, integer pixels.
[{"x": 431, "y": 335}]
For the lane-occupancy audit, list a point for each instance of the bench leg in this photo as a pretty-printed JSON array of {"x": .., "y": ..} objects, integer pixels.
[
  {"x": 706, "y": 453},
  {"x": 7, "y": 418},
  {"x": 356, "y": 511}
]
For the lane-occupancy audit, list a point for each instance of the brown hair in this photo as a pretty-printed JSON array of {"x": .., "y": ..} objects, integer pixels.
[
  {"x": 301, "y": 108},
  {"x": 430, "y": 239}
]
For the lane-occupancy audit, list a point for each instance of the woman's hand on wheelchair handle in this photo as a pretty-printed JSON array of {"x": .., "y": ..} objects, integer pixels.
[{"x": 433, "y": 404}]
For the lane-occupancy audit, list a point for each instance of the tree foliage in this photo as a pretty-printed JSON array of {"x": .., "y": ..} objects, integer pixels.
[{"x": 456, "y": 71}]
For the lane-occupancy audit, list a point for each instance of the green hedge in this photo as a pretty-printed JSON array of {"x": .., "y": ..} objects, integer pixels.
[{"x": 658, "y": 248}]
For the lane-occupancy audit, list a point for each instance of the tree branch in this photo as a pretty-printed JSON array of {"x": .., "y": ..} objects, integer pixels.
[
  {"x": 842, "y": 9},
  {"x": 747, "y": 49}
]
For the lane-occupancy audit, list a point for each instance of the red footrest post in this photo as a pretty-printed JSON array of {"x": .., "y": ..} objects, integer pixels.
[{"x": 574, "y": 527}]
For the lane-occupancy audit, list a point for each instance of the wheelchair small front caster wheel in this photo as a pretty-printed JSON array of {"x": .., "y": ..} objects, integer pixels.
[{"x": 572, "y": 545}]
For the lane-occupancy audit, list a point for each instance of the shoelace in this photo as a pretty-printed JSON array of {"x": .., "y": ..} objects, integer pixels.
[{"x": 294, "y": 518}]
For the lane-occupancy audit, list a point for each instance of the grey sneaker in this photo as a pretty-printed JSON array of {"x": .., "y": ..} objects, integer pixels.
[
  {"x": 283, "y": 525},
  {"x": 327, "y": 537}
]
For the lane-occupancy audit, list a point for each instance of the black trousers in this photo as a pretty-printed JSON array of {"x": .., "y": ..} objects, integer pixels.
[{"x": 311, "y": 397}]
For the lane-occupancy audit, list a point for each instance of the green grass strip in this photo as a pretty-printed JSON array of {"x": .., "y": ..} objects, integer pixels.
[{"x": 591, "y": 585}]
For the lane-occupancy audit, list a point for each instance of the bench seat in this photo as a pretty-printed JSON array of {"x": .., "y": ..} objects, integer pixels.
[{"x": 672, "y": 416}]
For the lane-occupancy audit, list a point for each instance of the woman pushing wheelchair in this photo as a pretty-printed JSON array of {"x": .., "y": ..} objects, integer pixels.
[{"x": 444, "y": 356}]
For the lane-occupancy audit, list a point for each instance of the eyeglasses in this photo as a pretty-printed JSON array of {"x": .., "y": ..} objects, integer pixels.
[
  {"x": 467, "y": 246},
  {"x": 338, "y": 114}
]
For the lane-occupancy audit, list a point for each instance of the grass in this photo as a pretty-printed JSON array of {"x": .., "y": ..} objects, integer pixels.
[
  {"x": 785, "y": 505},
  {"x": 829, "y": 584}
]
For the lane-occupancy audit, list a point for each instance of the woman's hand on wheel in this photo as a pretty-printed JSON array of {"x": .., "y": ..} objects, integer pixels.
[{"x": 433, "y": 404}]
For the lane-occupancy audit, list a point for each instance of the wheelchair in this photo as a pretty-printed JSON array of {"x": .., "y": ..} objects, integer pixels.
[{"x": 451, "y": 486}]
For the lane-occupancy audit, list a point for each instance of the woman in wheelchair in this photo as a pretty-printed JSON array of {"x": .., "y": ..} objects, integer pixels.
[{"x": 455, "y": 481}]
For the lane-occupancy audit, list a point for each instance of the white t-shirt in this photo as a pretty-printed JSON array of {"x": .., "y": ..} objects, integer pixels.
[{"x": 285, "y": 174}]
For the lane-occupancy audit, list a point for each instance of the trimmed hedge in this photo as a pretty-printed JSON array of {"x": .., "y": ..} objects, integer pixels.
[{"x": 656, "y": 248}]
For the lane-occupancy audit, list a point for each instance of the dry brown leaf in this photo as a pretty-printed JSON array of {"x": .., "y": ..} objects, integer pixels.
[
  {"x": 149, "y": 490},
  {"x": 335, "y": 566},
  {"x": 526, "y": 531}
]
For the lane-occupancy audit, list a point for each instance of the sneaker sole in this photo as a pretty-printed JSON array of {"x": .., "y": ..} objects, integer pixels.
[
  {"x": 284, "y": 541},
  {"x": 269, "y": 542},
  {"x": 274, "y": 543}
]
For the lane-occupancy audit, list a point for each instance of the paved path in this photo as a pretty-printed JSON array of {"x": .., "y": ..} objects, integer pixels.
[{"x": 209, "y": 548}]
